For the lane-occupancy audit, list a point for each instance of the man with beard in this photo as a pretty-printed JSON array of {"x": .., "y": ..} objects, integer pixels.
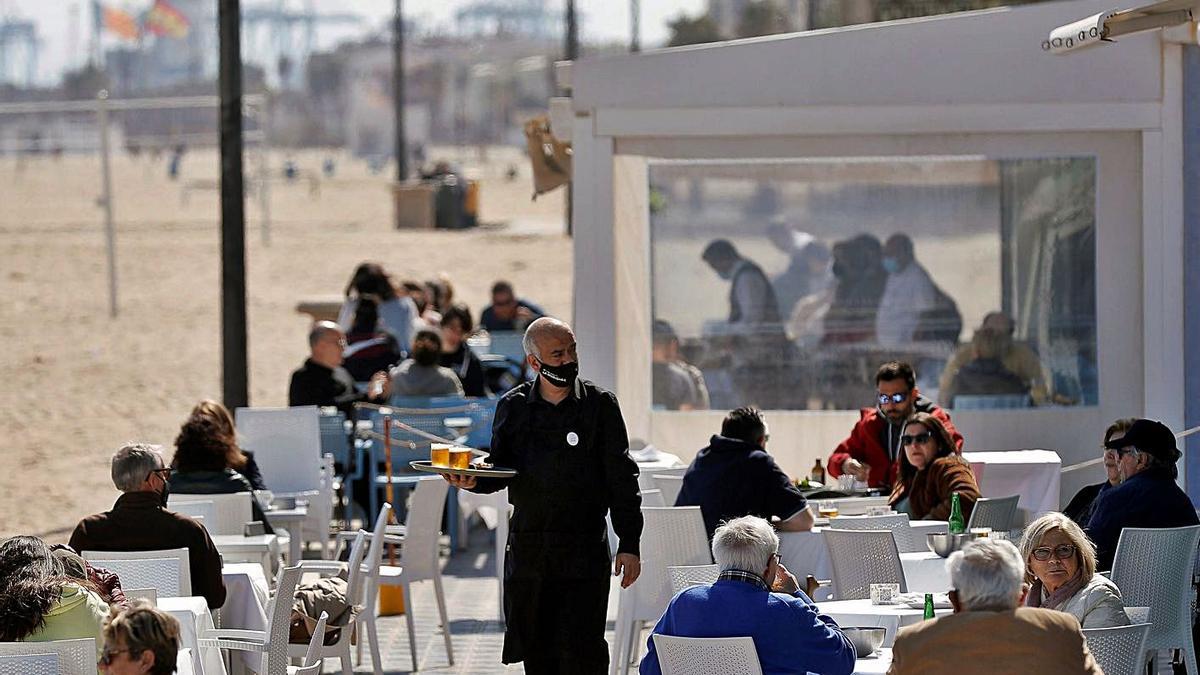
[
  {"x": 566, "y": 439},
  {"x": 872, "y": 451}
]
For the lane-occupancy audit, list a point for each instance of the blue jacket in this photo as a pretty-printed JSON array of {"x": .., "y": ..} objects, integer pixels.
[
  {"x": 790, "y": 634},
  {"x": 1151, "y": 498}
]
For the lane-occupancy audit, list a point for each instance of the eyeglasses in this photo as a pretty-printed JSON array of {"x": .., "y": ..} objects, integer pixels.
[
  {"x": 919, "y": 438},
  {"x": 163, "y": 473},
  {"x": 1062, "y": 552},
  {"x": 1121, "y": 452},
  {"x": 885, "y": 399},
  {"x": 107, "y": 655}
]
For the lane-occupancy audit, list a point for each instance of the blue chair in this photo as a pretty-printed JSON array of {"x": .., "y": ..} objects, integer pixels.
[
  {"x": 480, "y": 411},
  {"x": 334, "y": 439}
]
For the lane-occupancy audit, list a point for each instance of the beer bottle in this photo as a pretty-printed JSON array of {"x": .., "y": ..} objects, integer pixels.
[
  {"x": 928, "y": 606},
  {"x": 957, "y": 525},
  {"x": 818, "y": 472}
]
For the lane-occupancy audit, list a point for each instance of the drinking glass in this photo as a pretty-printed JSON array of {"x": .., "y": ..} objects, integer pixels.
[
  {"x": 439, "y": 455},
  {"x": 460, "y": 458}
]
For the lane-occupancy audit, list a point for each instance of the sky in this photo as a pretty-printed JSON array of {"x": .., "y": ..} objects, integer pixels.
[{"x": 64, "y": 41}]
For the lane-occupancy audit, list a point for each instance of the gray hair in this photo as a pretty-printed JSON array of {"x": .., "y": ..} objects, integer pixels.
[
  {"x": 745, "y": 544},
  {"x": 540, "y": 328},
  {"x": 319, "y": 330},
  {"x": 132, "y": 464},
  {"x": 987, "y": 575}
]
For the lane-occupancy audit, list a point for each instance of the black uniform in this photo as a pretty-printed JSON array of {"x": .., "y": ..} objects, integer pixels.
[{"x": 573, "y": 466}]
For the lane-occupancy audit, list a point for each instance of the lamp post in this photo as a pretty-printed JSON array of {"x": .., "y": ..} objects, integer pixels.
[
  {"x": 398, "y": 91},
  {"x": 234, "y": 363}
]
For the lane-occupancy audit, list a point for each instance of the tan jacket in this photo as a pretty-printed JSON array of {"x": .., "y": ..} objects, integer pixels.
[
  {"x": 1019, "y": 359},
  {"x": 930, "y": 490},
  {"x": 1014, "y": 642}
]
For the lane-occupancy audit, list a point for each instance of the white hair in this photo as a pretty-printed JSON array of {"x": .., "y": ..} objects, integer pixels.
[
  {"x": 132, "y": 464},
  {"x": 539, "y": 328},
  {"x": 745, "y": 544},
  {"x": 987, "y": 575}
]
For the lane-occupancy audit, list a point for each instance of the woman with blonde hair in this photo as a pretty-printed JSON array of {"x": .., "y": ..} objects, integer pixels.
[
  {"x": 1060, "y": 565},
  {"x": 138, "y": 640}
]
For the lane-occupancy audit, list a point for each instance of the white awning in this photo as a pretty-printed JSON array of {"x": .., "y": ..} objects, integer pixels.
[{"x": 1106, "y": 26}]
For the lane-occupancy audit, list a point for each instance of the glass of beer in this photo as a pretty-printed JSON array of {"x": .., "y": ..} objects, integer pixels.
[
  {"x": 439, "y": 454},
  {"x": 460, "y": 458},
  {"x": 827, "y": 509}
]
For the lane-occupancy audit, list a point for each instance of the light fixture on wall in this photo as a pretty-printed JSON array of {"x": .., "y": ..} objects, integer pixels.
[{"x": 1106, "y": 26}]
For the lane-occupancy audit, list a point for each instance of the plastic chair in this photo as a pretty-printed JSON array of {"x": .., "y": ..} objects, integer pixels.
[
  {"x": 861, "y": 558},
  {"x": 287, "y": 446},
  {"x": 1138, "y": 614},
  {"x": 184, "y": 664},
  {"x": 354, "y": 596},
  {"x": 700, "y": 656},
  {"x": 996, "y": 513},
  {"x": 469, "y": 502},
  {"x": 406, "y": 447},
  {"x": 481, "y": 411},
  {"x": 203, "y": 511},
  {"x": 1120, "y": 650},
  {"x": 148, "y": 595},
  {"x": 271, "y": 643},
  {"x": 334, "y": 440},
  {"x": 646, "y": 476},
  {"x": 654, "y": 498},
  {"x": 897, "y": 523},
  {"x": 29, "y": 664},
  {"x": 686, "y": 576},
  {"x": 167, "y": 571},
  {"x": 508, "y": 344},
  {"x": 75, "y": 657},
  {"x": 670, "y": 486},
  {"x": 230, "y": 512},
  {"x": 671, "y": 536},
  {"x": 1153, "y": 568},
  {"x": 311, "y": 665}
]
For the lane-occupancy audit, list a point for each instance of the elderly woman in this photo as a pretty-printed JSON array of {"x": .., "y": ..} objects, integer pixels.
[
  {"x": 38, "y": 603},
  {"x": 1080, "y": 508},
  {"x": 1060, "y": 563},
  {"x": 138, "y": 640},
  {"x": 931, "y": 472}
]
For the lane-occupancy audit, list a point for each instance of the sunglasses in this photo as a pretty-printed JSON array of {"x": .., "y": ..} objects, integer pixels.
[
  {"x": 919, "y": 438},
  {"x": 885, "y": 399},
  {"x": 1062, "y": 552},
  {"x": 107, "y": 655}
]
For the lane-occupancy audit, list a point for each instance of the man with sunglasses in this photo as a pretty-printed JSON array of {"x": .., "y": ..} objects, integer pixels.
[
  {"x": 872, "y": 451},
  {"x": 1147, "y": 495},
  {"x": 508, "y": 312}
]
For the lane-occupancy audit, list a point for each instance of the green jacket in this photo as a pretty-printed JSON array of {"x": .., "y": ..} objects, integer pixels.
[{"x": 79, "y": 613}]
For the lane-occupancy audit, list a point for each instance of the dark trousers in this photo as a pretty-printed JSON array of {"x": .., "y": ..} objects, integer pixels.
[{"x": 556, "y": 625}]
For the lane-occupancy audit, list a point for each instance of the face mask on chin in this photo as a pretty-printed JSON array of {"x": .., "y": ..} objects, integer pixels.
[{"x": 561, "y": 376}]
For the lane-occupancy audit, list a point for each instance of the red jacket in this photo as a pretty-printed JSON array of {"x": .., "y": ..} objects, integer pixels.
[{"x": 868, "y": 438}]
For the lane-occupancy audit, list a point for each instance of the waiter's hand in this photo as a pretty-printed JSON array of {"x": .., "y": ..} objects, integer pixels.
[
  {"x": 460, "y": 480},
  {"x": 860, "y": 470},
  {"x": 628, "y": 564}
]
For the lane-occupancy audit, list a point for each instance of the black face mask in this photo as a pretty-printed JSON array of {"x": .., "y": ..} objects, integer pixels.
[
  {"x": 562, "y": 376},
  {"x": 166, "y": 492}
]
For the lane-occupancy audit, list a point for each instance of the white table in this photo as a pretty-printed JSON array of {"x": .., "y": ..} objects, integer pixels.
[
  {"x": 862, "y": 613},
  {"x": 194, "y": 619},
  {"x": 293, "y": 521},
  {"x": 246, "y": 596},
  {"x": 1031, "y": 474},
  {"x": 925, "y": 572},
  {"x": 876, "y": 664},
  {"x": 263, "y": 547}
]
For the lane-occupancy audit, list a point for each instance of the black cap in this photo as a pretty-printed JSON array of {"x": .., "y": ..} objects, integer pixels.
[{"x": 1148, "y": 436}]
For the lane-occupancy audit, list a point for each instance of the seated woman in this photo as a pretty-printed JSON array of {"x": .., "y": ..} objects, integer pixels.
[
  {"x": 243, "y": 460},
  {"x": 140, "y": 639},
  {"x": 203, "y": 464},
  {"x": 931, "y": 472},
  {"x": 38, "y": 603},
  {"x": 457, "y": 356},
  {"x": 368, "y": 349},
  {"x": 1060, "y": 563},
  {"x": 1080, "y": 508}
]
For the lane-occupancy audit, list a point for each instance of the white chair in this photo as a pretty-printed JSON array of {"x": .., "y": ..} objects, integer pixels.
[
  {"x": 202, "y": 511},
  {"x": 997, "y": 513},
  {"x": 184, "y": 664},
  {"x": 29, "y": 664},
  {"x": 897, "y": 523},
  {"x": 701, "y": 656},
  {"x": 671, "y": 536},
  {"x": 1153, "y": 568},
  {"x": 646, "y": 476},
  {"x": 320, "y": 508},
  {"x": 653, "y": 498},
  {"x": 469, "y": 502},
  {"x": 354, "y": 596},
  {"x": 670, "y": 485},
  {"x": 167, "y": 571},
  {"x": 286, "y": 443},
  {"x": 75, "y": 657},
  {"x": 230, "y": 512},
  {"x": 148, "y": 595},
  {"x": 271, "y": 643},
  {"x": 1138, "y": 614},
  {"x": 860, "y": 558},
  {"x": 684, "y": 577},
  {"x": 1119, "y": 650},
  {"x": 311, "y": 665},
  {"x": 418, "y": 562}
]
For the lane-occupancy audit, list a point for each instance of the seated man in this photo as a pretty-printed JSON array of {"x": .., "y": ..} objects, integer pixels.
[
  {"x": 872, "y": 452},
  {"x": 508, "y": 312},
  {"x": 139, "y": 521},
  {"x": 1016, "y": 357},
  {"x": 734, "y": 476},
  {"x": 421, "y": 375},
  {"x": 1147, "y": 495},
  {"x": 323, "y": 381},
  {"x": 756, "y": 596},
  {"x": 989, "y": 633},
  {"x": 678, "y": 385}
]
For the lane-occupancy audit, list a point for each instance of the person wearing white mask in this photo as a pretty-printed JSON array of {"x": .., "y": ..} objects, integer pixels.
[{"x": 909, "y": 293}]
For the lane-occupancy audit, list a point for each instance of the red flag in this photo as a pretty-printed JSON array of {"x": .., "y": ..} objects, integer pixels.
[
  {"x": 120, "y": 23},
  {"x": 163, "y": 19}
]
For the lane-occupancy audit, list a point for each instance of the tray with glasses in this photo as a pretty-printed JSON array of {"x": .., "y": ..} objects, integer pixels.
[
  {"x": 477, "y": 470},
  {"x": 445, "y": 458}
]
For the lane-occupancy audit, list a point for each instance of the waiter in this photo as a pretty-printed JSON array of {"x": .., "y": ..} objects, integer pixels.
[{"x": 566, "y": 439}]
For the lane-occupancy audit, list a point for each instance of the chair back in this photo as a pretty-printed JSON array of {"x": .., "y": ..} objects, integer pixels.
[
  {"x": 406, "y": 445},
  {"x": 990, "y": 401},
  {"x": 646, "y": 477},
  {"x": 334, "y": 439},
  {"x": 311, "y": 665},
  {"x": 860, "y": 558},
  {"x": 1153, "y": 568},
  {"x": 1138, "y": 614},
  {"x": 1118, "y": 650},
  {"x": 75, "y": 657},
  {"x": 230, "y": 512},
  {"x": 896, "y": 522},
  {"x": 507, "y": 343},
  {"x": 287, "y": 446},
  {"x": 700, "y": 656},
  {"x": 167, "y": 571},
  {"x": 279, "y": 614},
  {"x": 202, "y": 511},
  {"x": 685, "y": 576},
  {"x": 671, "y": 536},
  {"x": 997, "y": 513},
  {"x": 419, "y": 555},
  {"x": 480, "y": 410},
  {"x": 375, "y": 551},
  {"x": 670, "y": 486},
  {"x": 29, "y": 664},
  {"x": 184, "y": 663},
  {"x": 148, "y": 595},
  {"x": 653, "y": 498},
  {"x": 354, "y": 579}
]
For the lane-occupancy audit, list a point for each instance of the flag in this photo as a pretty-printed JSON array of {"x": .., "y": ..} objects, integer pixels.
[
  {"x": 163, "y": 19},
  {"x": 120, "y": 23}
]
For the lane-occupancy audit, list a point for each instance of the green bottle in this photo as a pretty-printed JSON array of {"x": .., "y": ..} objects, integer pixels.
[
  {"x": 957, "y": 525},
  {"x": 928, "y": 606}
]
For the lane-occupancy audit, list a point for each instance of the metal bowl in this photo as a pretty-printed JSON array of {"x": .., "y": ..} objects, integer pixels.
[
  {"x": 944, "y": 544},
  {"x": 866, "y": 639}
]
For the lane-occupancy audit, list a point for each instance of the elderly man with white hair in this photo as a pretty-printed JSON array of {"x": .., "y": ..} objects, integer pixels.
[
  {"x": 755, "y": 596},
  {"x": 989, "y": 633}
]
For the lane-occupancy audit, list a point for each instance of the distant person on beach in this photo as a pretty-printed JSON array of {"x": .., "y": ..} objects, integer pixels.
[
  {"x": 457, "y": 356},
  {"x": 397, "y": 312},
  {"x": 508, "y": 312},
  {"x": 322, "y": 381},
  {"x": 420, "y": 374}
]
